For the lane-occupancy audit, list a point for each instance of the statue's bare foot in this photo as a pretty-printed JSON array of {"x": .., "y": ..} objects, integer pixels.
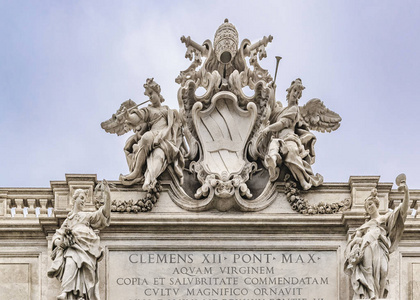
[
  {"x": 146, "y": 187},
  {"x": 122, "y": 179},
  {"x": 152, "y": 185},
  {"x": 149, "y": 186},
  {"x": 307, "y": 186},
  {"x": 62, "y": 296},
  {"x": 126, "y": 181}
]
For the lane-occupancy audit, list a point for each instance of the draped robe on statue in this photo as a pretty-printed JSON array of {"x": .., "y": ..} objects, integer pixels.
[
  {"x": 296, "y": 145},
  {"x": 146, "y": 159},
  {"x": 381, "y": 236},
  {"x": 76, "y": 266}
]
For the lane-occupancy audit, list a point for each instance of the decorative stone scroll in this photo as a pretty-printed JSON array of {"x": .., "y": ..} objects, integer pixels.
[{"x": 223, "y": 169}]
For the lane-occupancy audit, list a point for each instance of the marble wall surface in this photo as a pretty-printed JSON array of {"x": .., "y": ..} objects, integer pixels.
[{"x": 169, "y": 253}]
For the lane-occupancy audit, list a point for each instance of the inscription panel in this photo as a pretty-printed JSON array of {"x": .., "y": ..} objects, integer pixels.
[{"x": 222, "y": 275}]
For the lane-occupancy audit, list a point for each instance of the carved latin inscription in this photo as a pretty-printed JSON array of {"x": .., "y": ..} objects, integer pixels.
[{"x": 217, "y": 275}]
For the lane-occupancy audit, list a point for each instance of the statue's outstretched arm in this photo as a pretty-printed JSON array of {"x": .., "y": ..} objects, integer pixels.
[
  {"x": 404, "y": 205},
  {"x": 279, "y": 125}
]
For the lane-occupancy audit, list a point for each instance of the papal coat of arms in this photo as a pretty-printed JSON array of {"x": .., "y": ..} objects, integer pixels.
[{"x": 223, "y": 149}]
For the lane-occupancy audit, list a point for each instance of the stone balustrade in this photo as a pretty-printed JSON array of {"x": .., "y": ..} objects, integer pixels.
[{"x": 26, "y": 203}]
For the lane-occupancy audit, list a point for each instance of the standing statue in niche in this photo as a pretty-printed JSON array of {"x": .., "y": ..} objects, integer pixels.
[
  {"x": 76, "y": 248},
  {"x": 156, "y": 142},
  {"x": 292, "y": 144},
  {"x": 367, "y": 253}
]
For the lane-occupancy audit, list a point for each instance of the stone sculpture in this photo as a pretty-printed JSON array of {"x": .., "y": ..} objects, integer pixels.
[
  {"x": 233, "y": 136},
  {"x": 367, "y": 252},
  {"x": 76, "y": 250},
  {"x": 223, "y": 137},
  {"x": 220, "y": 124},
  {"x": 156, "y": 142},
  {"x": 292, "y": 144}
]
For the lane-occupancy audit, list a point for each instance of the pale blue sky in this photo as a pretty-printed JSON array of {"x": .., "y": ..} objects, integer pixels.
[{"x": 65, "y": 66}]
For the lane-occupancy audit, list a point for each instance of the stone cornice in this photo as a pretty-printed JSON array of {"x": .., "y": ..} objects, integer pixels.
[{"x": 277, "y": 219}]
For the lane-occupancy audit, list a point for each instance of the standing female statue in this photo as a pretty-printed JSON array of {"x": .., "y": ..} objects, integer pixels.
[
  {"x": 367, "y": 253},
  {"x": 76, "y": 249}
]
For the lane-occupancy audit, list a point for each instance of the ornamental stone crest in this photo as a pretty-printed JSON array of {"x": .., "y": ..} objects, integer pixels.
[
  {"x": 223, "y": 149},
  {"x": 224, "y": 128}
]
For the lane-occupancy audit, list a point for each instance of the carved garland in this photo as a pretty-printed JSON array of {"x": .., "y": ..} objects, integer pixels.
[
  {"x": 301, "y": 205},
  {"x": 136, "y": 206}
]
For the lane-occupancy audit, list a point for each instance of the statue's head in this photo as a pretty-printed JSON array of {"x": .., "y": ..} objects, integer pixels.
[
  {"x": 151, "y": 86},
  {"x": 294, "y": 92},
  {"x": 226, "y": 41},
  {"x": 372, "y": 202},
  {"x": 79, "y": 198}
]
